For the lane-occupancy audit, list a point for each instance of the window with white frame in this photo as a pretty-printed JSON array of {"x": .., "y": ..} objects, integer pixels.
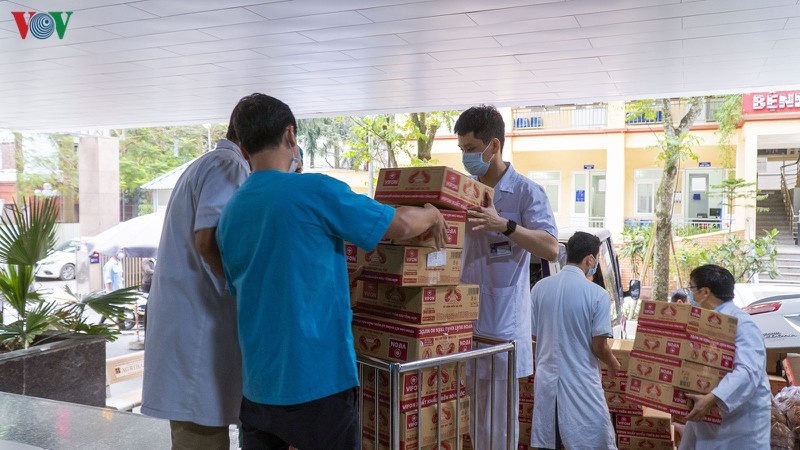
[
  {"x": 550, "y": 180},
  {"x": 645, "y": 185}
]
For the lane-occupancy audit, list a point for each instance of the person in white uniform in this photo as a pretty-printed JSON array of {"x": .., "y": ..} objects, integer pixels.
[
  {"x": 193, "y": 373},
  {"x": 499, "y": 242},
  {"x": 743, "y": 395},
  {"x": 571, "y": 319}
]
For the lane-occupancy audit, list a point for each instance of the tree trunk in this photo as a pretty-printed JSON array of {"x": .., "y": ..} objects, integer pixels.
[
  {"x": 311, "y": 159},
  {"x": 427, "y": 133},
  {"x": 390, "y": 153},
  {"x": 671, "y": 153},
  {"x": 337, "y": 163}
]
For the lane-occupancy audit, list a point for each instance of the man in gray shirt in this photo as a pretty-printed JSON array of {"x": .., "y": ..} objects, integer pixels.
[{"x": 192, "y": 362}]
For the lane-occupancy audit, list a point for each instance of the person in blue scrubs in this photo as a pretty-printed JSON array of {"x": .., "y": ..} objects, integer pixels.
[{"x": 281, "y": 237}]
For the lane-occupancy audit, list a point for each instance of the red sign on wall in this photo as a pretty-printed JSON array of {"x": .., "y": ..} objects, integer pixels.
[{"x": 771, "y": 102}]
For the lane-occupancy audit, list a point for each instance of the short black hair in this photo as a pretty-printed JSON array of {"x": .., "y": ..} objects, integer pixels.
[
  {"x": 581, "y": 245},
  {"x": 259, "y": 121},
  {"x": 484, "y": 121},
  {"x": 678, "y": 295},
  {"x": 717, "y": 279},
  {"x": 231, "y": 134}
]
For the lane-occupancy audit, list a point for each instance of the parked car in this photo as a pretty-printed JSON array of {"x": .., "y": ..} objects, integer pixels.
[
  {"x": 775, "y": 308},
  {"x": 60, "y": 264}
]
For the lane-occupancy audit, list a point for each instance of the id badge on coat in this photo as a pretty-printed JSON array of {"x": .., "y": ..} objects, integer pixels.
[{"x": 498, "y": 250}]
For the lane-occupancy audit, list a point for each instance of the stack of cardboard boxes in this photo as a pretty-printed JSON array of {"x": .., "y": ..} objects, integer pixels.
[
  {"x": 679, "y": 349},
  {"x": 409, "y": 306},
  {"x": 526, "y": 407}
]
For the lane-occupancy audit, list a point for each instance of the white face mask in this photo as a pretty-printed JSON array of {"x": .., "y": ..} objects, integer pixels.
[
  {"x": 120, "y": 255},
  {"x": 295, "y": 162}
]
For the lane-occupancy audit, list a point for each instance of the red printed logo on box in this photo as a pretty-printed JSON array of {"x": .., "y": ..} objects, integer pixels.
[
  {"x": 419, "y": 177},
  {"x": 644, "y": 369},
  {"x": 375, "y": 256},
  {"x": 453, "y": 295},
  {"x": 412, "y": 422},
  {"x": 411, "y": 384},
  {"x": 428, "y": 295},
  {"x": 392, "y": 178},
  {"x": 412, "y": 256},
  {"x": 635, "y": 385},
  {"x": 679, "y": 398},
  {"x": 649, "y": 309},
  {"x": 673, "y": 348},
  {"x": 398, "y": 350},
  {"x": 654, "y": 389},
  {"x": 465, "y": 345},
  {"x": 710, "y": 357},
  {"x": 369, "y": 343},
  {"x": 727, "y": 361},
  {"x": 350, "y": 253},
  {"x": 669, "y": 311},
  {"x": 452, "y": 235},
  {"x": 651, "y": 344},
  {"x": 624, "y": 421},
  {"x": 715, "y": 320},
  {"x": 696, "y": 312},
  {"x": 645, "y": 423},
  {"x": 452, "y": 181},
  {"x": 395, "y": 295},
  {"x": 447, "y": 349},
  {"x": 665, "y": 375},
  {"x": 370, "y": 290},
  {"x": 624, "y": 440},
  {"x": 703, "y": 385},
  {"x": 471, "y": 189}
]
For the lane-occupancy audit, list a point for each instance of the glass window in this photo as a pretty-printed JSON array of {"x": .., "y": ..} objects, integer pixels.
[
  {"x": 646, "y": 183},
  {"x": 551, "y": 182}
]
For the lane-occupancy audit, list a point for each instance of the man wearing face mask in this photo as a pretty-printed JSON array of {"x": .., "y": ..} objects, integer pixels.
[
  {"x": 743, "y": 395},
  {"x": 113, "y": 273},
  {"x": 281, "y": 238},
  {"x": 500, "y": 240},
  {"x": 571, "y": 319}
]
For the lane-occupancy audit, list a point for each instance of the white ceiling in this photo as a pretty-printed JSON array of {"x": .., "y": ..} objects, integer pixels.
[{"x": 135, "y": 63}]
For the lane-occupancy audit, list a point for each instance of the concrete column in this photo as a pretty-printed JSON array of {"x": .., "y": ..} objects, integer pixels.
[
  {"x": 615, "y": 184},
  {"x": 98, "y": 173},
  {"x": 508, "y": 146},
  {"x": 747, "y": 168}
]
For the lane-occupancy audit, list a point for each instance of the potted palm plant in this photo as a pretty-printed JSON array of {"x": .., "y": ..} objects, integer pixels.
[{"x": 48, "y": 348}]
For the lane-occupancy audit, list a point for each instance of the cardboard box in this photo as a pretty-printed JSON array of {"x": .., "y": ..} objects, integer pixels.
[
  {"x": 684, "y": 345},
  {"x": 411, "y": 386},
  {"x": 664, "y": 397},
  {"x": 440, "y": 186},
  {"x": 621, "y": 348},
  {"x": 417, "y": 428},
  {"x": 652, "y": 423},
  {"x": 637, "y": 443},
  {"x": 368, "y": 443},
  {"x": 525, "y": 412},
  {"x": 676, "y": 372},
  {"x": 685, "y": 317},
  {"x": 421, "y": 305},
  {"x": 619, "y": 404},
  {"x": 525, "y": 429},
  {"x": 406, "y": 266},
  {"x": 456, "y": 227},
  {"x": 398, "y": 341},
  {"x": 526, "y": 390},
  {"x": 614, "y": 384},
  {"x": 791, "y": 365}
]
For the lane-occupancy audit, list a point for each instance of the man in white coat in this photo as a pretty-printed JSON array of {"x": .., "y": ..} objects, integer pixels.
[
  {"x": 499, "y": 242},
  {"x": 571, "y": 319},
  {"x": 743, "y": 395}
]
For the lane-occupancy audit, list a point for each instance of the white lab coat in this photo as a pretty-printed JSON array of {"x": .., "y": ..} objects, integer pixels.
[
  {"x": 744, "y": 395},
  {"x": 567, "y": 312},
  {"x": 502, "y": 269}
]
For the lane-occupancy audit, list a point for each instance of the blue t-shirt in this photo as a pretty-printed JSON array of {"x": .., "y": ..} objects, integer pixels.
[{"x": 281, "y": 237}]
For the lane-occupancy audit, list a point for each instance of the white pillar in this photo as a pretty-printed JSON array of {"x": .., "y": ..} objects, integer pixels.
[
  {"x": 747, "y": 168},
  {"x": 98, "y": 173},
  {"x": 615, "y": 170}
]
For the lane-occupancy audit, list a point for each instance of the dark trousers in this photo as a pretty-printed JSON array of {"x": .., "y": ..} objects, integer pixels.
[
  {"x": 330, "y": 423},
  {"x": 558, "y": 433}
]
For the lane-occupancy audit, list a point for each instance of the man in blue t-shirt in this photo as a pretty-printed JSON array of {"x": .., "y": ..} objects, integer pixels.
[{"x": 281, "y": 237}]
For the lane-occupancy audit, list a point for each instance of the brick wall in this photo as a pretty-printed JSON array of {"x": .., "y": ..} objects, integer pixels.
[{"x": 708, "y": 239}]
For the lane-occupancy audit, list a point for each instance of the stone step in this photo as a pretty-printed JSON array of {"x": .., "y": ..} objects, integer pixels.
[{"x": 766, "y": 280}]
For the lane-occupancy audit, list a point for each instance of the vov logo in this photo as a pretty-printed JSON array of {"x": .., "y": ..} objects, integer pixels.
[{"x": 41, "y": 25}]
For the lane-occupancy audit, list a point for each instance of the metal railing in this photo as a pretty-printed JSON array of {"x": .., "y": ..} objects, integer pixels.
[
  {"x": 789, "y": 173},
  {"x": 560, "y": 117},
  {"x": 679, "y": 109},
  {"x": 394, "y": 371}
]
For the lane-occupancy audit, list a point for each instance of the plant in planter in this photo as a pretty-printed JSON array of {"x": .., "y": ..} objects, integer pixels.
[{"x": 27, "y": 235}]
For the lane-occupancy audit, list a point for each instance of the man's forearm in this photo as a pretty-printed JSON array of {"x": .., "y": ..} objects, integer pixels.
[{"x": 538, "y": 242}]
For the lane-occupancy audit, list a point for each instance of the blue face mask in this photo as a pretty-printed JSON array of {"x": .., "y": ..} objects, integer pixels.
[
  {"x": 474, "y": 164},
  {"x": 593, "y": 270},
  {"x": 690, "y": 297}
]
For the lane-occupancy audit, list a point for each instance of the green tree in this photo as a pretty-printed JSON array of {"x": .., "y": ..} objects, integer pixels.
[
  {"x": 378, "y": 138},
  {"x": 324, "y": 137},
  {"x": 737, "y": 189},
  {"x": 676, "y": 145},
  {"x": 729, "y": 116},
  {"x": 423, "y": 126},
  {"x": 59, "y": 170}
]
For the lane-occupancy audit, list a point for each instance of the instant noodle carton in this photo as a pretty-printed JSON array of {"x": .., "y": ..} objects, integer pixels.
[
  {"x": 652, "y": 423},
  {"x": 456, "y": 227},
  {"x": 625, "y": 442},
  {"x": 677, "y": 372},
  {"x": 420, "y": 305},
  {"x": 664, "y": 397},
  {"x": 401, "y": 342},
  {"x": 619, "y": 404},
  {"x": 406, "y": 266},
  {"x": 685, "y": 345},
  {"x": 417, "y": 427},
  {"x": 440, "y": 186},
  {"x": 413, "y": 384},
  {"x": 685, "y": 317}
]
